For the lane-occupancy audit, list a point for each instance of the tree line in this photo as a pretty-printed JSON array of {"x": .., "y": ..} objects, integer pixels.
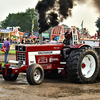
[
  {"x": 98, "y": 24},
  {"x": 21, "y": 19}
]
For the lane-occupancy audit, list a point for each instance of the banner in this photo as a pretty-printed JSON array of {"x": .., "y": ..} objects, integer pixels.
[{"x": 3, "y": 48}]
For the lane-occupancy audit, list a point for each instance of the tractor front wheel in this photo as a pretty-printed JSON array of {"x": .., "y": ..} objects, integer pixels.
[
  {"x": 35, "y": 74},
  {"x": 83, "y": 65},
  {"x": 12, "y": 77}
]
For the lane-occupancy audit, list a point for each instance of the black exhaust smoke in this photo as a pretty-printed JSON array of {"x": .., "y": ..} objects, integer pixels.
[
  {"x": 93, "y": 3},
  {"x": 51, "y": 12},
  {"x": 97, "y": 5}
]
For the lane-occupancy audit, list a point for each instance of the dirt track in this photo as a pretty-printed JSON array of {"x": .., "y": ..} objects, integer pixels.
[
  {"x": 10, "y": 57},
  {"x": 50, "y": 89}
]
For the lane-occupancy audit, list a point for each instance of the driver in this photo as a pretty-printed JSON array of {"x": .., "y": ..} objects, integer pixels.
[{"x": 67, "y": 44}]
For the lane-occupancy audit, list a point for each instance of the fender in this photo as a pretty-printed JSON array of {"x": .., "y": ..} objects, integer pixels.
[{"x": 77, "y": 46}]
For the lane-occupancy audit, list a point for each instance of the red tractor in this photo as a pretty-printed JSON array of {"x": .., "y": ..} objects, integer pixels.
[{"x": 81, "y": 66}]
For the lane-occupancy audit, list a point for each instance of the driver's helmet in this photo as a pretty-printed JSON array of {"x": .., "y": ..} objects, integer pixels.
[{"x": 67, "y": 34}]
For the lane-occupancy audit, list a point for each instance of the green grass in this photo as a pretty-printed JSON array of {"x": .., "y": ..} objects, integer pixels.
[
  {"x": 2, "y": 63},
  {"x": 10, "y": 52}
]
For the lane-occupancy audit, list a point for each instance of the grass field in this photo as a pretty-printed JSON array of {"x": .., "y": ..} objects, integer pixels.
[
  {"x": 10, "y": 52},
  {"x": 2, "y": 63}
]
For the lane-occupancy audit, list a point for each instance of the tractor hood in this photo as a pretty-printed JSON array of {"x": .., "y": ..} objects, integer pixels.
[{"x": 38, "y": 47}]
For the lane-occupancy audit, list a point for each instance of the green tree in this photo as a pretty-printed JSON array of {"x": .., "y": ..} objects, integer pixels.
[
  {"x": 64, "y": 25},
  {"x": 32, "y": 16},
  {"x": 98, "y": 23},
  {"x": 22, "y": 19}
]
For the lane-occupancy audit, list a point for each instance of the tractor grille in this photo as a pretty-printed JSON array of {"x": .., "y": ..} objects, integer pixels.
[{"x": 21, "y": 56}]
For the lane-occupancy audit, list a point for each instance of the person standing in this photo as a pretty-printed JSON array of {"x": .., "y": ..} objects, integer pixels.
[
  {"x": 2, "y": 40},
  {"x": 18, "y": 41},
  {"x": 7, "y": 45}
]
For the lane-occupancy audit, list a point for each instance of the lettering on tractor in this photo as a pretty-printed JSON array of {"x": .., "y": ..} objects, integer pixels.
[
  {"x": 51, "y": 59},
  {"x": 81, "y": 64}
]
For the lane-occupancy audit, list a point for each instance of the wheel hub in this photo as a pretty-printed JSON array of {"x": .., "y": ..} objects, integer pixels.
[
  {"x": 37, "y": 75},
  {"x": 83, "y": 65},
  {"x": 88, "y": 66}
]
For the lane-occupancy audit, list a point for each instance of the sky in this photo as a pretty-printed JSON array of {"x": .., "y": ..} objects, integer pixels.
[{"x": 81, "y": 12}]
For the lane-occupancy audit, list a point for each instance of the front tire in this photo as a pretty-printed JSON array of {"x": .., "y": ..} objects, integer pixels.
[
  {"x": 35, "y": 74},
  {"x": 83, "y": 65},
  {"x": 12, "y": 77}
]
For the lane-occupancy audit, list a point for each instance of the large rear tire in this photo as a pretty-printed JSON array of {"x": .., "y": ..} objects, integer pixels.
[
  {"x": 83, "y": 65},
  {"x": 35, "y": 74},
  {"x": 12, "y": 77}
]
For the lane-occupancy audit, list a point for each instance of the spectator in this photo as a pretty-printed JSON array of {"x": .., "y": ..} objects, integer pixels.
[
  {"x": 14, "y": 41},
  {"x": 18, "y": 41},
  {"x": 33, "y": 41},
  {"x": 28, "y": 41},
  {"x": 7, "y": 45},
  {"x": 2, "y": 39},
  {"x": 22, "y": 41},
  {"x": 10, "y": 40},
  {"x": 36, "y": 41}
]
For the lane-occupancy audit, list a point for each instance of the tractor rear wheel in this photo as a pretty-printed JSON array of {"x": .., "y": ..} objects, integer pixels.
[
  {"x": 83, "y": 65},
  {"x": 35, "y": 74}
]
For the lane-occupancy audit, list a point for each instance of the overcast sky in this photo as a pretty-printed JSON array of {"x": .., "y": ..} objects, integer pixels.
[{"x": 80, "y": 12}]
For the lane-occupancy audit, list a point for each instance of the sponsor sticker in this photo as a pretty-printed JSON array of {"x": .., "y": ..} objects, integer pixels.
[
  {"x": 56, "y": 47},
  {"x": 42, "y": 60},
  {"x": 45, "y": 52},
  {"x": 47, "y": 66},
  {"x": 51, "y": 59},
  {"x": 31, "y": 61}
]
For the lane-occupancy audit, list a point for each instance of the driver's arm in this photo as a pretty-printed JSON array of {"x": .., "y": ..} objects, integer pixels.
[{"x": 65, "y": 44}]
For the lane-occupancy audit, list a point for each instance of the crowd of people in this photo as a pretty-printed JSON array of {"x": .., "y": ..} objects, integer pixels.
[{"x": 21, "y": 40}]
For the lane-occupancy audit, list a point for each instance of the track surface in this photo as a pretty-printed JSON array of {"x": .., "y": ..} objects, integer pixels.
[{"x": 50, "y": 89}]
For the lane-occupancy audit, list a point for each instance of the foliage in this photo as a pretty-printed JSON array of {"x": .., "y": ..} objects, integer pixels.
[
  {"x": 10, "y": 52},
  {"x": 22, "y": 19},
  {"x": 64, "y": 25},
  {"x": 49, "y": 30},
  {"x": 98, "y": 23},
  {"x": 2, "y": 63},
  {"x": 78, "y": 29}
]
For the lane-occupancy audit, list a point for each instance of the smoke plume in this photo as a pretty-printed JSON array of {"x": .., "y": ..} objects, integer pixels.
[
  {"x": 97, "y": 5},
  {"x": 93, "y": 3},
  {"x": 51, "y": 12}
]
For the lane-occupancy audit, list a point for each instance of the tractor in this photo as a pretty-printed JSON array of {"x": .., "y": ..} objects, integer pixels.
[{"x": 37, "y": 61}]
